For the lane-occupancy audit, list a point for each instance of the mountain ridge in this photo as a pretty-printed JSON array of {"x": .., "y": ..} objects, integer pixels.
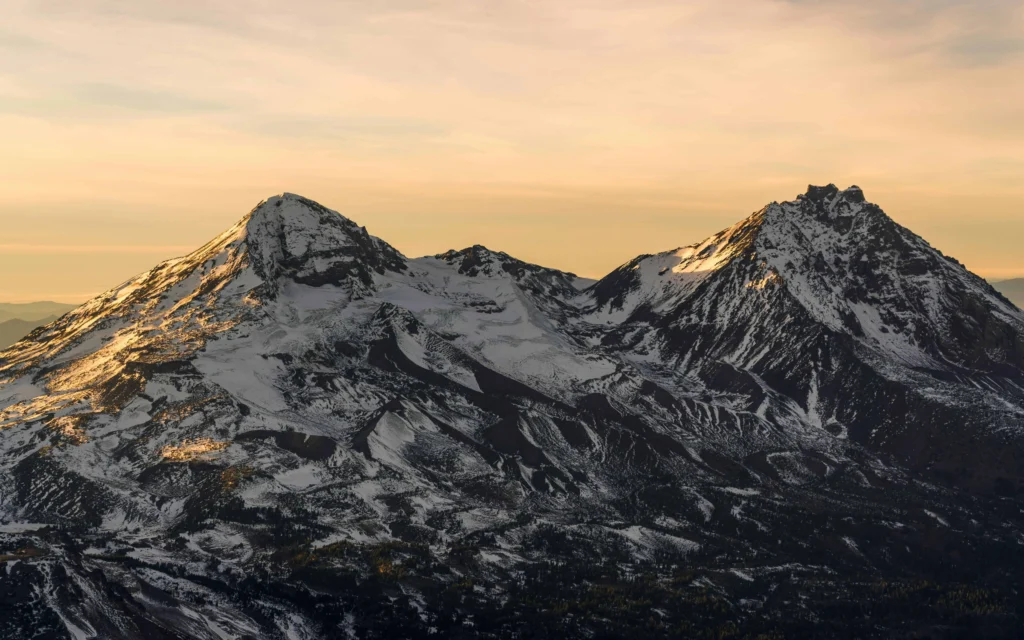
[{"x": 297, "y": 406}]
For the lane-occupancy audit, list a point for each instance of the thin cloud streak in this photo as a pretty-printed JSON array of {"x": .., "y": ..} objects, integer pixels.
[
  {"x": 94, "y": 249},
  {"x": 60, "y": 298}
]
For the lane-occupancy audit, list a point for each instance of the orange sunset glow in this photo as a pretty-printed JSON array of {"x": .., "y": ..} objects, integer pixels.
[{"x": 575, "y": 134}]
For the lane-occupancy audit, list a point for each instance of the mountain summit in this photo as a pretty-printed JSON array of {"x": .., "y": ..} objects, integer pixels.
[
  {"x": 290, "y": 236},
  {"x": 297, "y": 432},
  {"x": 842, "y": 261}
]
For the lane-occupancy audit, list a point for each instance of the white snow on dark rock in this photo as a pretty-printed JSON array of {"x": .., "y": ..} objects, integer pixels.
[{"x": 297, "y": 394}]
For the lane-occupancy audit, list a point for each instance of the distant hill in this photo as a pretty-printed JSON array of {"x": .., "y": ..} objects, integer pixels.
[
  {"x": 36, "y": 311},
  {"x": 15, "y": 329},
  {"x": 18, "y": 320},
  {"x": 1012, "y": 289}
]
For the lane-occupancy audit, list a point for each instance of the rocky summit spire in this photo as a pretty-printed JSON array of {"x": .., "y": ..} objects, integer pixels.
[
  {"x": 830, "y": 192},
  {"x": 820, "y": 194}
]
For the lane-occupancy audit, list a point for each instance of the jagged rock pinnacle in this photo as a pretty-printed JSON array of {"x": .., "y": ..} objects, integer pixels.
[{"x": 820, "y": 194}]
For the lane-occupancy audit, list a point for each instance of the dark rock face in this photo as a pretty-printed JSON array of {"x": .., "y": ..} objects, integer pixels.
[
  {"x": 295, "y": 238},
  {"x": 301, "y": 444},
  {"x": 809, "y": 425}
]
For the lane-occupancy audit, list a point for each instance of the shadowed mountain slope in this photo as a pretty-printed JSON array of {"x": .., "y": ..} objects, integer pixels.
[{"x": 811, "y": 423}]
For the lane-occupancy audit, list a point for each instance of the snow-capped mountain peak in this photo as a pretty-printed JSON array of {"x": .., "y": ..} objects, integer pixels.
[
  {"x": 827, "y": 205},
  {"x": 294, "y": 237},
  {"x": 478, "y": 259},
  {"x": 859, "y": 272},
  {"x": 838, "y": 258},
  {"x": 296, "y": 432}
]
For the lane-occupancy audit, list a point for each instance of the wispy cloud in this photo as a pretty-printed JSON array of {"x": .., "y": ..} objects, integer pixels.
[
  {"x": 102, "y": 100},
  {"x": 343, "y": 127},
  {"x": 12, "y": 40},
  {"x": 202, "y": 13},
  {"x": 956, "y": 32},
  {"x": 142, "y": 99},
  {"x": 983, "y": 49},
  {"x": 113, "y": 249}
]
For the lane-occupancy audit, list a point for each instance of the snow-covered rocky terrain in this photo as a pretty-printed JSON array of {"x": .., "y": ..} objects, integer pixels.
[{"x": 809, "y": 425}]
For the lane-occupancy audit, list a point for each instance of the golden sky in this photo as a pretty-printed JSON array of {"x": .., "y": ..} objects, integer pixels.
[{"x": 573, "y": 133}]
